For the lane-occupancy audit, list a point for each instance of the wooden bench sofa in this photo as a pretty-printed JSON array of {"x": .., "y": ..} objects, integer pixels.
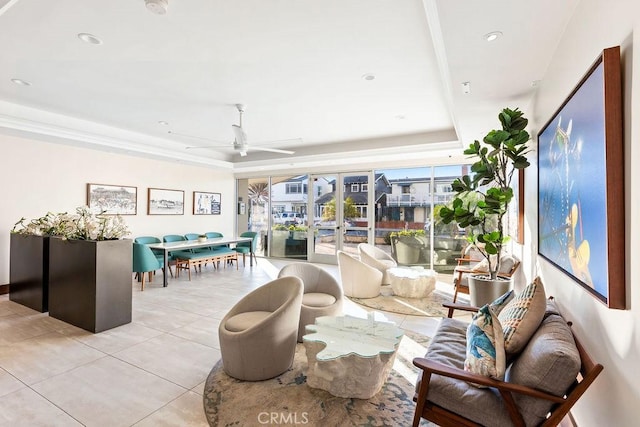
[
  {"x": 541, "y": 384},
  {"x": 219, "y": 256}
]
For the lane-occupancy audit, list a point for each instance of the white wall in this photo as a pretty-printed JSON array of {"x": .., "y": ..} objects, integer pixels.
[
  {"x": 39, "y": 177},
  {"x": 611, "y": 336}
]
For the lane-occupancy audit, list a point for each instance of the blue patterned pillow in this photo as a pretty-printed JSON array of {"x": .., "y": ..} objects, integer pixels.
[{"x": 485, "y": 345}]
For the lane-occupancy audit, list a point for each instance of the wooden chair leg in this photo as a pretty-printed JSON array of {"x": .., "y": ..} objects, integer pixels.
[
  {"x": 142, "y": 286},
  {"x": 244, "y": 259}
]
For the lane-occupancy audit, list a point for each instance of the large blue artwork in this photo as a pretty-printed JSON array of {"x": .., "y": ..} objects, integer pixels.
[{"x": 572, "y": 205}]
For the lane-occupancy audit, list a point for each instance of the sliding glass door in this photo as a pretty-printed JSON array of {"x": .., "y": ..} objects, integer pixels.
[{"x": 341, "y": 206}]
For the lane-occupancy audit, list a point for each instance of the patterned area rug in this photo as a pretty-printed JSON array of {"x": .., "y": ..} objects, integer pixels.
[
  {"x": 288, "y": 400},
  {"x": 428, "y": 307}
]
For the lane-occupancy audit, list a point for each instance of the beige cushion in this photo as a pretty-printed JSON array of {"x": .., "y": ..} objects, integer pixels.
[
  {"x": 244, "y": 321},
  {"x": 522, "y": 316},
  {"x": 506, "y": 264},
  {"x": 315, "y": 299},
  {"x": 482, "y": 266}
]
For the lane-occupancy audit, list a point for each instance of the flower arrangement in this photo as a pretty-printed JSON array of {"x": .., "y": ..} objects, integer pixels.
[{"x": 83, "y": 225}]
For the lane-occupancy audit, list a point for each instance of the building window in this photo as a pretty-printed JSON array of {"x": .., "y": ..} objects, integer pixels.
[
  {"x": 406, "y": 189},
  {"x": 354, "y": 188},
  {"x": 295, "y": 188},
  {"x": 364, "y": 188}
]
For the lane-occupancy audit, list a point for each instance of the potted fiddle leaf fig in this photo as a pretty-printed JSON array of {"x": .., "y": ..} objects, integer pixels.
[{"x": 483, "y": 196}]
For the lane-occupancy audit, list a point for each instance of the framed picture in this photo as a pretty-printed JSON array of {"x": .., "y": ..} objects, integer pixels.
[
  {"x": 206, "y": 203},
  {"x": 112, "y": 199},
  {"x": 165, "y": 202},
  {"x": 580, "y": 184}
]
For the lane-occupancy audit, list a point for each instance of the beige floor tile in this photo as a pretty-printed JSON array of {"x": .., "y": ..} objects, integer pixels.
[
  {"x": 176, "y": 359},
  {"x": 118, "y": 339},
  {"x": 199, "y": 389},
  {"x": 18, "y": 327},
  {"x": 151, "y": 371},
  {"x": 203, "y": 332},
  {"x": 27, "y": 408},
  {"x": 36, "y": 359},
  {"x": 165, "y": 319},
  {"x": 186, "y": 410},
  {"x": 108, "y": 392},
  {"x": 9, "y": 383}
]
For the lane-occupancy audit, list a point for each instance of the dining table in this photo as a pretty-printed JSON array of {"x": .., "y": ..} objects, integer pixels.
[{"x": 184, "y": 245}]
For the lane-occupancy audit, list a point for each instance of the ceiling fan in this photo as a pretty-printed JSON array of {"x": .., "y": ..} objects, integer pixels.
[{"x": 240, "y": 143}]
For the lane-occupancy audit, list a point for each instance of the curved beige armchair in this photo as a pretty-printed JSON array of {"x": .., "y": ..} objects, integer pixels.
[
  {"x": 258, "y": 335},
  {"x": 322, "y": 293},
  {"x": 377, "y": 258},
  {"x": 359, "y": 280}
]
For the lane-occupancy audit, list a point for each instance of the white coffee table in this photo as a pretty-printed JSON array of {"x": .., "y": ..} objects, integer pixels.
[
  {"x": 412, "y": 282},
  {"x": 350, "y": 357}
]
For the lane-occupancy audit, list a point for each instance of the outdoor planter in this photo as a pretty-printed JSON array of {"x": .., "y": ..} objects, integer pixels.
[
  {"x": 29, "y": 271},
  {"x": 90, "y": 282},
  {"x": 407, "y": 250}
]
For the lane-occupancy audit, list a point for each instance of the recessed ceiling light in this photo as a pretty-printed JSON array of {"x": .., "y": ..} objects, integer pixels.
[
  {"x": 89, "y": 38},
  {"x": 163, "y": 123},
  {"x": 466, "y": 87},
  {"x": 21, "y": 82},
  {"x": 492, "y": 36},
  {"x": 401, "y": 117},
  {"x": 369, "y": 76},
  {"x": 159, "y": 7}
]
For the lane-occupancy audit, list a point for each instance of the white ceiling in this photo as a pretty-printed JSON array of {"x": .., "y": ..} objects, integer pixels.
[{"x": 297, "y": 65}]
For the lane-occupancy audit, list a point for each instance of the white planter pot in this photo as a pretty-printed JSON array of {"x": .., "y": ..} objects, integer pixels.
[{"x": 484, "y": 291}]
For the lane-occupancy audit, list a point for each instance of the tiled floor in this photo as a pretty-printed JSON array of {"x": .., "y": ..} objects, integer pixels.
[{"x": 150, "y": 372}]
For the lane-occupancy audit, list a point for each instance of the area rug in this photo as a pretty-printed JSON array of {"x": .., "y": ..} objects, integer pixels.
[
  {"x": 428, "y": 307},
  {"x": 288, "y": 400}
]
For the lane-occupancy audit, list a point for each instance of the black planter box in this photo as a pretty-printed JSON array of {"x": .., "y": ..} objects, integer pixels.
[
  {"x": 90, "y": 282},
  {"x": 29, "y": 271}
]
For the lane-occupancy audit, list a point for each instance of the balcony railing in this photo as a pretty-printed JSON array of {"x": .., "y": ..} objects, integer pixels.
[{"x": 404, "y": 200}]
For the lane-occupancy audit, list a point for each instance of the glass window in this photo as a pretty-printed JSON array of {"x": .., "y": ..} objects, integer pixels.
[
  {"x": 354, "y": 188},
  {"x": 364, "y": 188}
]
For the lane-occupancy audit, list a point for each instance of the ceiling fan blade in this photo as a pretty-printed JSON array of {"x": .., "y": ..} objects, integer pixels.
[
  {"x": 272, "y": 150},
  {"x": 218, "y": 143}
]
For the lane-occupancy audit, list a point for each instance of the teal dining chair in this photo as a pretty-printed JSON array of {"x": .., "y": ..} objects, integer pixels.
[
  {"x": 146, "y": 240},
  {"x": 245, "y": 248},
  {"x": 144, "y": 261}
]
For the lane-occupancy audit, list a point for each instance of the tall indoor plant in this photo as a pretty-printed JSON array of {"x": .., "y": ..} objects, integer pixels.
[{"x": 482, "y": 197}]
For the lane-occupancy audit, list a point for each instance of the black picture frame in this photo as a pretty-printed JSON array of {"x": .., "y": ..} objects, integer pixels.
[{"x": 205, "y": 203}]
